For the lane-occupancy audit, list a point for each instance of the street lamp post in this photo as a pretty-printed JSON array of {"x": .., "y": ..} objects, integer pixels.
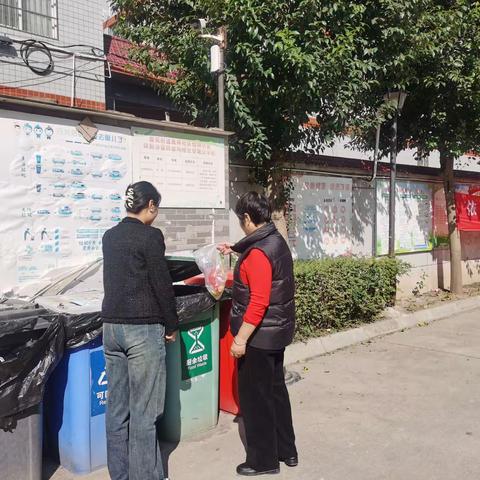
[{"x": 397, "y": 99}]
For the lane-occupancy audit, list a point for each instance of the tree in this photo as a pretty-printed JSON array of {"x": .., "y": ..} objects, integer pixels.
[
  {"x": 335, "y": 58},
  {"x": 284, "y": 59},
  {"x": 431, "y": 49}
]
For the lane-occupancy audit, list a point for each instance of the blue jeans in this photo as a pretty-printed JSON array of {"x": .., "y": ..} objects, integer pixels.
[{"x": 136, "y": 371}]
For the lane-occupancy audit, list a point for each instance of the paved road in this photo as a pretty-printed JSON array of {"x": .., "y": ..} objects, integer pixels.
[{"x": 406, "y": 406}]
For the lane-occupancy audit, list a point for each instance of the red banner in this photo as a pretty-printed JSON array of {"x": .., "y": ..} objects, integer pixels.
[{"x": 468, "y": 210}]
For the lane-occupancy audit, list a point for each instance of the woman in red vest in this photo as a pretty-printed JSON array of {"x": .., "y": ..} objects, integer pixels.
[{"x": 263, "y": 322}]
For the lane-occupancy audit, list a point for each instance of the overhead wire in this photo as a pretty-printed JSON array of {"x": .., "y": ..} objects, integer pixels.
[
  {"x": 92, "y": 50},
  {"x": 31, "y": 46},
  {"x": 48, "y": 67}
]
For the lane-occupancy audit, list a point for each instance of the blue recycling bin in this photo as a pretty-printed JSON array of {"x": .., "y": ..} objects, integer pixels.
[{"x": 75, "y": 402}]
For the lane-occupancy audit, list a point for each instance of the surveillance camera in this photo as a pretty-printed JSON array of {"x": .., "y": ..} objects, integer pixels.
[{"x": 200, "y": 24}]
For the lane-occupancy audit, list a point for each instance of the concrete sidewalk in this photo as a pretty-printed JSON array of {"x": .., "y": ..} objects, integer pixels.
[{"x": 406, "y": 406}]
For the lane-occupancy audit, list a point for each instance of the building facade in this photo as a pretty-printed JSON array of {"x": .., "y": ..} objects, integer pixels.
[
  {"x": 52, "y": 50},
  {"x": 337, "y": 209}
]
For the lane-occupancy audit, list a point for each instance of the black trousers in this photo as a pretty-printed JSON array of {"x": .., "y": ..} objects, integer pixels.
[{"x": 265, "y": 405}]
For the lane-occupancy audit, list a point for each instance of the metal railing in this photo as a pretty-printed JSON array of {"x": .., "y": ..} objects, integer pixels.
[{"x": 13, "y": 14}]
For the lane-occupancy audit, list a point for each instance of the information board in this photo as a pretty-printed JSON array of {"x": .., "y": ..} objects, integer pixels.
[
  {"x": 187, "y": 169},
  {"x": 413, "y": 217},
  {"x": 58, "y": 194},
  {"x": 320, "y": 219}
]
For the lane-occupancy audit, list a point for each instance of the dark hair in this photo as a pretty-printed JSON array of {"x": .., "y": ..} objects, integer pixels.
[
  {"x": 256, "y": 205},
  {"x": 138, "y": 196}
]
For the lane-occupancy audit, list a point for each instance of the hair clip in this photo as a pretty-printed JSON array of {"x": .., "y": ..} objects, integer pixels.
[{"x": 130, "y": 195}]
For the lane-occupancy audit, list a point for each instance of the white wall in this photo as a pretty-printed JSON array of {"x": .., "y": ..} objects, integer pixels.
[{"x": 429, "y": 270}]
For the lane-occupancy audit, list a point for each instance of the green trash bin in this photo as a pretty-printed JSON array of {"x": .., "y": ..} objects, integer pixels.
[{"x": 191, "y": 403}]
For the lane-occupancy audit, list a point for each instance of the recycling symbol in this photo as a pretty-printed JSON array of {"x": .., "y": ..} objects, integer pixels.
[{"x": 198, "y": 346}]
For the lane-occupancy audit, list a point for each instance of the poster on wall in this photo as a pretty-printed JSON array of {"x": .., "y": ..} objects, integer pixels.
[
  {"x": 187, "y": 169},
  {"x": 467, "y": 201},
  {"x": 320, "y": 219},
  {"x": 413, "y": 217},
  {"x": 58, "y": 194}
]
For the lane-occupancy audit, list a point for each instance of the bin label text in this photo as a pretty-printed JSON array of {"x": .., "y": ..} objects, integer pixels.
[
  {"x": 196, "y": 344},
  {"x": 99, "y": 383}
]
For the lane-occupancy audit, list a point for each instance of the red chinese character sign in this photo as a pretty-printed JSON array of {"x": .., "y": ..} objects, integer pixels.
[
  {"x": 467, "y": 200},
  {"x": 320, "y": 219}
]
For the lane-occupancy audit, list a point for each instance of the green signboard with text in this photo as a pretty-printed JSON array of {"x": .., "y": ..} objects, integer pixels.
[{"x": 196, "y": 345}]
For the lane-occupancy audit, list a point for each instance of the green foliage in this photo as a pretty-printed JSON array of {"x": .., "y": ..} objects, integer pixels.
[
  {"x": 284, "y": 59},
  {"x": 332, "y": 58},
  {"x": 339, "y": 293},
  {"x": 430, "y": 49}
]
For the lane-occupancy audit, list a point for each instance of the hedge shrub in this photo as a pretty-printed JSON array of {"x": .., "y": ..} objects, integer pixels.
[{"x": 341, "y": 292}]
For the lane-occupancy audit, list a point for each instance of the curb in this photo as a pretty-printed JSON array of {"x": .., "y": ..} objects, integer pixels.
[{"x": 396, "y": 321}]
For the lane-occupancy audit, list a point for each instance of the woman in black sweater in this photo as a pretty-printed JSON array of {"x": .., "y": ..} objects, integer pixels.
[{"x": 139, "y": 316}]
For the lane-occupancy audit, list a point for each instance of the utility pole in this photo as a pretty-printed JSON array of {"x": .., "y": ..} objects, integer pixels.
[
  {"x": 221, "y": 79},
  {"x": 217, "y": 65},
  {"x": 393, "y": 179},
  {"x": 397, "y": 99}
]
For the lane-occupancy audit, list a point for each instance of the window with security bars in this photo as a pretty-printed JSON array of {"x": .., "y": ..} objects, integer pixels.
[{"x": 38, "y": 17}]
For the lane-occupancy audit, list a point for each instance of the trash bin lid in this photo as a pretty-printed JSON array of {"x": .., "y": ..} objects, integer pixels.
[{"x": 182, "y": 266}]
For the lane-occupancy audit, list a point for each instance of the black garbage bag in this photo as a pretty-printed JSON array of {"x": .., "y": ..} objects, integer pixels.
[
  {"x": 82, "y": 328},
  {"x": 191, "y": 301},
  {"x": 32, "y": 341},
  {"x": 31, "y": 344}
]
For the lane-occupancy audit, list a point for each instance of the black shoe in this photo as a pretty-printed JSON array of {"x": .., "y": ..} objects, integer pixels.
[
  {"x": 290, "y": 461},
  {"x": 244, "y": 469}
]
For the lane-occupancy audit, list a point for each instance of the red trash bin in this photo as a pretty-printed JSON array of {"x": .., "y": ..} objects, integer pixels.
[{"x": 228, "y": 401}]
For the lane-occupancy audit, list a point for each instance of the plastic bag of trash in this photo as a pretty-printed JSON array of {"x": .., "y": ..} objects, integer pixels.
[
  {"x": 214, "y": 267},
  {"x": 31, "y": 344}
]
